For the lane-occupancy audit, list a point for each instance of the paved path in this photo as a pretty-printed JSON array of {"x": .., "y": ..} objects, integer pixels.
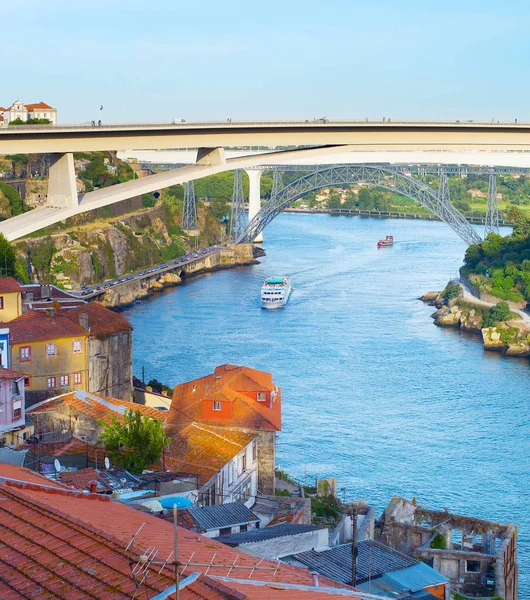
[{"x": 469, "y": 297}]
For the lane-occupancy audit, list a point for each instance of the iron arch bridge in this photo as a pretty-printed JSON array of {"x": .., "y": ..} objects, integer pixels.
[{"x": 437, "y": 202}]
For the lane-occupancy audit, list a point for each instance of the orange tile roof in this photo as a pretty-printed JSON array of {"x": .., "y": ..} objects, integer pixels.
[
  {"x": 122, "y": 522},
  {"x": 38, "y": 105},
  {"x": 99, "y": 408},
  {"x": 101, "y": 320},
  {"x": 50, "y": 554},
  {"x": 229, "y": 383},
  {"x": 9, "y": 374},
  {"x": 79, "y": 480},
  {"x": 37, "y": 326},
  {"x": 8, "y": 284},
  {"x": 23, "y": 474},
  {"x": 204, "y": 450}
]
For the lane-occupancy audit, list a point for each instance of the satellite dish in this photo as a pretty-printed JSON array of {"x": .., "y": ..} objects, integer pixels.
[
  {"x": 57, "y": 465},
  {"x": 107, "y": 462}
]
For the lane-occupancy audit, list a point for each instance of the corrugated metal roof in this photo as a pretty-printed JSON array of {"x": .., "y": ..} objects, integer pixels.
[
  {"x": 373, "y": 560},
  {"x": 417, "y": 577},
  {"x": 259, "y": 535},
  {"x": 222, "y": 515},
  {"x": 421, "y": 595}
]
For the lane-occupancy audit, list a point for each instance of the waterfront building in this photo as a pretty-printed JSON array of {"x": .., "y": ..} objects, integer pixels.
[
  {"x": 235, "y": 398},
  {"x": 24, "y": 112},
  {"x": 51, "y": 351},
  {"x": 100, "y": 357}
]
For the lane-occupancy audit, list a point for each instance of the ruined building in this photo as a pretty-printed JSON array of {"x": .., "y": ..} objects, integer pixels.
[{"x": 479, "y": 557}]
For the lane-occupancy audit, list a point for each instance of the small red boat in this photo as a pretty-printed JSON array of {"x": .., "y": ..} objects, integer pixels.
[{"x": 388, "y": 241}]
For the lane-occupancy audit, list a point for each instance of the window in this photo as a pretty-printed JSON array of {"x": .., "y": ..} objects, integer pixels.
[
  {"x": 65, "y": 380},
  {"x": 78, "y": 379},
  {"x": 244, "y": 462},
  {"x": 262, "y": 396},
  {"x": 77, "y": 346},
  {"x": 217, "y": 406},
  {"x": 1, "y": 302},
  {"x": 17, "y": 413},
  {"x": 472, "y": 566},
  {"x": 51, "y": 383},
  {"x": 27, "y": 381},
  {"x": 225, "y": 531},
  {"x": 254, "y": 450},
  {"x": 51, "y": 350},
  {"x": 24, "y": 353},
  {"x": 243, "y": 528}
]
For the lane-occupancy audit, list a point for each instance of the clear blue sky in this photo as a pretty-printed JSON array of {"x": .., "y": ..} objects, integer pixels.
[{"x": 154, "y": 60}]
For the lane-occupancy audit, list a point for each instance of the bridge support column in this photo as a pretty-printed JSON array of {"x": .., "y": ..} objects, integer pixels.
[
  {"x": 62, "y": 187},
  {"x": 254, "y": 198}
]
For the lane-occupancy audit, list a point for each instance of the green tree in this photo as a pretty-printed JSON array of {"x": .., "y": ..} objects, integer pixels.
[
  {"x": 497, "y": 314},
  {"x": 521, "y": 225},
  {"x": 8, "y": 260},
  {"x": 135, "y": 443},
  {"x": 365, "y": 199},
  {"x": 334, "y": 200}
]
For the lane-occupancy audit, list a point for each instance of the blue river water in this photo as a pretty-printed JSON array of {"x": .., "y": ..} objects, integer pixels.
[{"x": 373, "y": 393}]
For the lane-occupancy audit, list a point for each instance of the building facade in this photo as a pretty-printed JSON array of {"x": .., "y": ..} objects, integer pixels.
[
  {"x": 12, "y": 408},
  {"x": 24, "y": 112},
  {"x": 240, "y": 399}
]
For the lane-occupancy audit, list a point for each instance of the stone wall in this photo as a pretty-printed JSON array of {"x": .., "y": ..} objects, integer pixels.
[
  {"x": 266, "y": 462},
  {"x": 110, "y": 365}
]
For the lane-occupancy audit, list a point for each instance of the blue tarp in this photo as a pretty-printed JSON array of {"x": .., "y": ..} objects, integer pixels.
[{"x": 180, "y": 501}]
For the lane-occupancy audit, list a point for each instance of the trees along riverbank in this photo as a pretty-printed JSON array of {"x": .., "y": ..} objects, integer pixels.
[{"x": 497, "y": 272}]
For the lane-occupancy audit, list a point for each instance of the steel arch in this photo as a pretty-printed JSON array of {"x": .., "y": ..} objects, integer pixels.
[{"x": 369, "y": 175}]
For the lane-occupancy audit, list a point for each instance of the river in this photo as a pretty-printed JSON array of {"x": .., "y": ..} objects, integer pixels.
[{"x": 373, "y": 393}]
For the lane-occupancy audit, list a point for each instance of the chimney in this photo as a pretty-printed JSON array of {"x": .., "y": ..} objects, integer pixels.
[
  {"x": 83, "y": 320},
  {"x": 93, "y": 486},
  {"x": 50, "y": 313},
  {"x": 314, "y": 574}
]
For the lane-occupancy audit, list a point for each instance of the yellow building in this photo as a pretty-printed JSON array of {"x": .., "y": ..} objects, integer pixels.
[
  {"x": 52, "y": 350},
  {"x": 10, "y": 299}
]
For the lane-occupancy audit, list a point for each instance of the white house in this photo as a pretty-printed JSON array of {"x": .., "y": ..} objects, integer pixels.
[{"x": 19, "y": 110}]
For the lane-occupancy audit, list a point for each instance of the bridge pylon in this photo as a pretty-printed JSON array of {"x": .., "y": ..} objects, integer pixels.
[
  {"x": 492, "y": 208},
  {"x": 189, "y": 210},
  {"x": 238, "y": 220}
]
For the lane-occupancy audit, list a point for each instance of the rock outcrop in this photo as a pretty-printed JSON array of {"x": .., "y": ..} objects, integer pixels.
[{"x": 511, "y": 338}]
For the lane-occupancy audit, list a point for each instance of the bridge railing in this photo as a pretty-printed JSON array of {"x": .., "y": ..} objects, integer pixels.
[{"x": 299, "y": 123}]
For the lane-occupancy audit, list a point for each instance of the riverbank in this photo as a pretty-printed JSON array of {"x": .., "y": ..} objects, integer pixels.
[
  {"x": 228, "y": 258},
  {"x": 501, "y": 328},
  {"x": 384, "y": 214}
]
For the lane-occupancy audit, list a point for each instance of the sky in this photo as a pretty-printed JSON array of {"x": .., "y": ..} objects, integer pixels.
[{"x": 158, "y": 60}]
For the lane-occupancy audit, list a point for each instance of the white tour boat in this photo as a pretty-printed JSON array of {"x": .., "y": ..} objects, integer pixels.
[{"x": 275, "y": 292}]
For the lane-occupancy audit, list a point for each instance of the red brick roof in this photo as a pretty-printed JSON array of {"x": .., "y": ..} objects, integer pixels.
[
  {"x": 23, "y": 474},
  {"x": 204, "y": 450},
  {"x": 101, "y": 320},
  {"x": 37, "y": 326},
  {"x": 229, "y": 383},
  {"x": 49, "y": 554},
  {"x": 8, "y": 284},
  {"x": 74, "y": 520},
  {"x": 39, "y": 105},
  {"x": 79, "y": 480},
  {"x": 96, "y": 406},
  {"x": 9, "y": 374}
]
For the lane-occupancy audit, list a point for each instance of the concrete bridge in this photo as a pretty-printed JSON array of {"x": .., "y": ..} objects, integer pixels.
[{"x": 313, "y": 139}]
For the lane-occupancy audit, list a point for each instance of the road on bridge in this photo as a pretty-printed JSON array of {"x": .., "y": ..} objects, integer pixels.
[{"x": 89, "y": 292}]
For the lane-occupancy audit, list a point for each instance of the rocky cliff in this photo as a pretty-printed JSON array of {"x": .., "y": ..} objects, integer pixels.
[
  {"x": 510, "y": 337},
  {"x": 96, "y": 251}
]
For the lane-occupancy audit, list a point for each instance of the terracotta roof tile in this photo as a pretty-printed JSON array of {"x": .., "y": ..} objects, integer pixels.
[
  {"x": 101, "y": 320},
  {"x": 195, "y": 551},
  {"x": 22, "y": 474},
  {"x": 229, "y": 383},
  {"x": 99, "y": 408},
  {"x": 204, "y": 450},
  {"x": 79, "y": 480},
  {"x": 9, "y": 374},
  {"x": 33, "y": 326},
  {"x": 39, "y": 105},
  {"x": 8, "y": 284}
]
